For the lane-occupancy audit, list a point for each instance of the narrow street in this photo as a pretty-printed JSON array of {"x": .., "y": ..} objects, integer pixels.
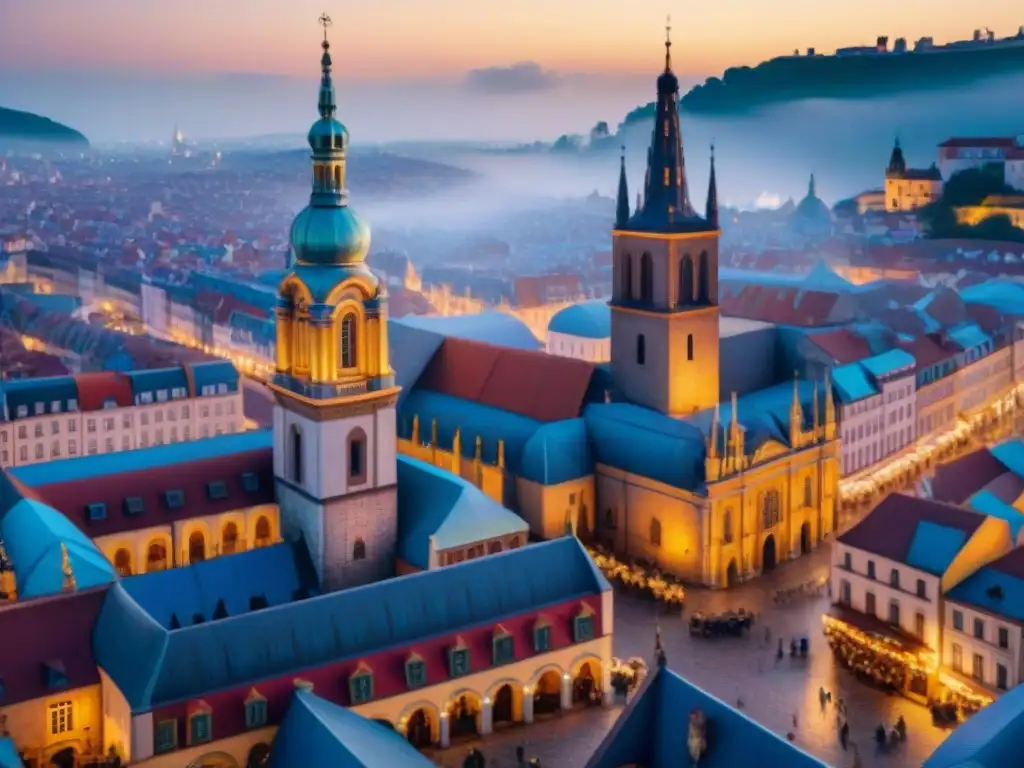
[{"x": 732, "y": 669}]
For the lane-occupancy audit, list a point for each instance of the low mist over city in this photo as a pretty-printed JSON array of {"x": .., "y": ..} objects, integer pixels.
[{"x": 401, "y": 385}]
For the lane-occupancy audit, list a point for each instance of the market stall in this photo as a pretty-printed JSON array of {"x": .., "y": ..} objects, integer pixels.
[{"x": 881, "y": 654}]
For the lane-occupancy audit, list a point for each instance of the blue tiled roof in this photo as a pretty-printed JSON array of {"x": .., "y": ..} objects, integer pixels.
[
  {"x": 969, "y": 336},
  {"x": 152, "y": 666},
  {"x": 490, "y": 424},
  {"x": 213, "y": 373},
  {"x": 47, "y": 391},
  {"x": 888, "y": 362},
  {"x": 1008, "y": 601},
  {"x": 1006, "y": 296},
  {"x": 934, "y": 547},
  {"x": 158, "y": 380},
  {"x": 9, "y": 757},
  {"x": 33, "y": 533},
  {"x": 851, "y": 383},
  {"x": 411, "y": 350},
  {"x": 1011, "y": 455},
  {"x": 653, "y": 732},
  {"x": 317, "y": 732},
  {"x": 432, "y": 502},
  {"x": 987, "y": 503},
  {"x": 498, "y": 328},
  {"x": 144, "y": 458},
  {"x": 646, "y": 443},
  {"x": 558, "y": 452},
  {"x": 991, "y": 738},
  {"x": 587, "y": 320},
  {"x": 272, "y": 573}
]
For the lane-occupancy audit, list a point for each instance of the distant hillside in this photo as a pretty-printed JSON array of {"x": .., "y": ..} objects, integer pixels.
[
  {"x": 25, "y": 126},
  {"x": 792, "y": 78}
]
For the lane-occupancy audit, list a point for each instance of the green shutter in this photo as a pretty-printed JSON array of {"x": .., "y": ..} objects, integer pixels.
[
  {"x": 166, "y": 736},
  {"x": 415, "y": 673},
  {"x": 504, "y": 649},
  {"x": 542, "y": 638},
  {"x": 360, "y": 687},
  {"x": 583, "y": 628},
  {"x": 255, "y": 713},
  {"x": 200, "y": 729},
  {"x": 458, "y": 662}
]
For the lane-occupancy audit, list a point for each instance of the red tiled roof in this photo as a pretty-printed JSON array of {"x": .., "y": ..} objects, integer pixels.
[
  {"x": 843, "y": 346},
  {"x": 532, "y": 384},
  {"x": 73, "y": 496},
  {"x": 988, "y": 141},
  {"x": 889, "y": 529},
  {"x": 49, "y": 630},
  {"x": 961, "y": 478},
  {"x": 94, "y": 389},
  {"x": 221, "y": 305},
  {"x": 782, "y": 306},
  {"x": 925, "y": 351}
]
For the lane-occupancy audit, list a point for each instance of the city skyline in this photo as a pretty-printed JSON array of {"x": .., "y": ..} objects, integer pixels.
[{"x": 445, "y": 41}]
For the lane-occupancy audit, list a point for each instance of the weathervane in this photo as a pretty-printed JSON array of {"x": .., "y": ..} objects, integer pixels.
[
  {"x": 668, "y": 43},
  {"x": 324, "y": 21}
]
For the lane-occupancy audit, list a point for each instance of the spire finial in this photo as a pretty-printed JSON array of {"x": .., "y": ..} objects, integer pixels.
[
  {"x": 622, "y": 200},
  {"x": 326, "y": 101},
  {"x": 668, "y": 43},
  {"x": 65, "y": 568}
]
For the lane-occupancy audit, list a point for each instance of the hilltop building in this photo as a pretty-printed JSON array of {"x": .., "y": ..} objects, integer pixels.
[{"x": 907, "y": 189}]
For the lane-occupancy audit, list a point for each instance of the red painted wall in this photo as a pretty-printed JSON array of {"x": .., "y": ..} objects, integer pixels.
[{"x": 331, "y": 681}]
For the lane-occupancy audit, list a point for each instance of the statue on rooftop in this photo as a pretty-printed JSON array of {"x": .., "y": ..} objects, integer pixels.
[{"x": 696, "y": 740}]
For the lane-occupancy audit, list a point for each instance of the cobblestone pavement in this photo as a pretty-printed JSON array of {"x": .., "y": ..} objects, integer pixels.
[{"x": 736, "y": 668}]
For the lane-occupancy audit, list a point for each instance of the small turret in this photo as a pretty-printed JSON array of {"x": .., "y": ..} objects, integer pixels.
[
  {"x": 796, "y": 414},
  {"x": 622, "y": 202},
  {"x": 897, "y": 164},
  {"x": 830, "y": 409},
  {"x": 69, "y": 585}
]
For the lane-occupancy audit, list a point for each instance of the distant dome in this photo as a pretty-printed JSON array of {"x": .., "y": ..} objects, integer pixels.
[
  {"x": 329, "y": 236},
  {"x": 812, "y": 216},
  {"x": 327, "y": 134},
  {"x": 586, "y": 320}
]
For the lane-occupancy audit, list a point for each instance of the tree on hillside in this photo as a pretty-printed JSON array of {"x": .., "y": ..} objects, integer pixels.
[
  {"x": 968, "y": 187},
  {"x": 971, "y": 186}
]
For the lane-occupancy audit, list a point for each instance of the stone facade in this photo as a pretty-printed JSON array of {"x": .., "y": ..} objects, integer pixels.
[{"x": 360, "y": 535}]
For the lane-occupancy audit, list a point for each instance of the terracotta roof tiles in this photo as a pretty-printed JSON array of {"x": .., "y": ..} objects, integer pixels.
[
  {"x": 95, "y": 389},
  {"x": 842, "y": 346}
]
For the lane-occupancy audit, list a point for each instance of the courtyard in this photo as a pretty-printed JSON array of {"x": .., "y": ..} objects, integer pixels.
[{"x": 736, "y": 669}]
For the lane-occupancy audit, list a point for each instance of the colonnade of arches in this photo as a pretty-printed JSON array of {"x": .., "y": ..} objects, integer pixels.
[
  {"x": 200, "y": 544},
  {"x": 468, "y": 713}
]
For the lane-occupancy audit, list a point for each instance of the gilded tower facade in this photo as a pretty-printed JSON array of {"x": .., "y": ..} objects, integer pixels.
[
  {"x": 334, "y": 422},
  {"x": 664, "y": 337}
]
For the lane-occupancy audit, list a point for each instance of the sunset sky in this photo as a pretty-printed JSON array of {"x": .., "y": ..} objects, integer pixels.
[{"x": 411, "y": 39}]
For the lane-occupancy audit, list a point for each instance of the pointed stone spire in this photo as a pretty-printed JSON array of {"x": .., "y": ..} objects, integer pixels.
[
  {"x": 712, "y": 451},
  {"x": 897, "y": 163},
  {"x": 811, "y": 188},
  {"x": 666, "y": 197},
  {"x": 65, "y": 567},
  {"x": 622, "y": 203},
  {"x": 796, "y": 414},
  {"x": 326, "y": 103},
  {"x": 639, "y": 201},
  {"x": 711, "y": 209},
  {"x": 830, "y": 408}
]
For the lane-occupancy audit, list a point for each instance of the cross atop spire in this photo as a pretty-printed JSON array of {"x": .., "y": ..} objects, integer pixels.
[
  {"x": 326, "y": 103},
  {"x": 668, "y": 43},
  {"x": 325, "y": 21}
]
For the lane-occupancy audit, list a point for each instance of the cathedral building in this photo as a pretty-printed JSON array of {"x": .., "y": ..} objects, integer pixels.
[
  {"x": 907, "y": 189},
  {"x": 639, "y": 454}
]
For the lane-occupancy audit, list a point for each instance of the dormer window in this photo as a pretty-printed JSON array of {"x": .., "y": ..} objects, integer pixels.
[
  {"x": 541, "y": 636},
  {"x": 175, "y": 499},
  {"x": 415, "y": 671},
  {"x": 200, "y": 725},
  {"x": 583, "y": 626},
  {"x": 250, "y": 482},
  {"x": 134, "y": 505},
  {"x": 56, "y": 676},
  {"x": 458, "y": 659},
  {"x": 255, "y": 710},
  {"x": 217, "y": 489},
  {"x": 503, "y": 647},
  {"x": 360, "y": 685},
  {"x": 96, "y": 511}
]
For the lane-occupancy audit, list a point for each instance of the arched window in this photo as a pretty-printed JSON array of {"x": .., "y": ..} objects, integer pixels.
[
  {"x": 318, "y": 176},
  {"x": 641, "y": 349},
  {"x": 196, "y": 547},
  {"x": 359, "y": 550},
  {"x": 156, "y": 557},
  {"x": 808, "y": 495},
  {"x": 685, "y": 280},
  {"x": 356, "y": 457},
  {"x": 703, "y": 279},
  {"x": 646, "y": 278},
  {"x": 771, "y": 510},
  {"x": 727, "y": 526},
  {"x": 689, "y": 346},
  {"x": 655, "y": 533},
  {"x": 123, "y": 562},
  {"x": 296, "y": 454},
  {"x": 627, "y": 277},
  {"x": 514, "y": 543},
  {"x": 229, "y": 539},
  {"x": 348, "y": 341},
  {"x": 263, "y": 532}
]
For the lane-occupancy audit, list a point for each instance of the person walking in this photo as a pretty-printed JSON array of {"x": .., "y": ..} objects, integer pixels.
[{"x": 844, "y": 734}]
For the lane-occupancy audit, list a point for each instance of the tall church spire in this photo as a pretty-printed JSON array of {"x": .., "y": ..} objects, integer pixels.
[
  {"x": 667, "y": 207},
  {"x": 711, "y": 209},
  {"x": 622, "y": 203},
  {"x": 326, "y": 103}
]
